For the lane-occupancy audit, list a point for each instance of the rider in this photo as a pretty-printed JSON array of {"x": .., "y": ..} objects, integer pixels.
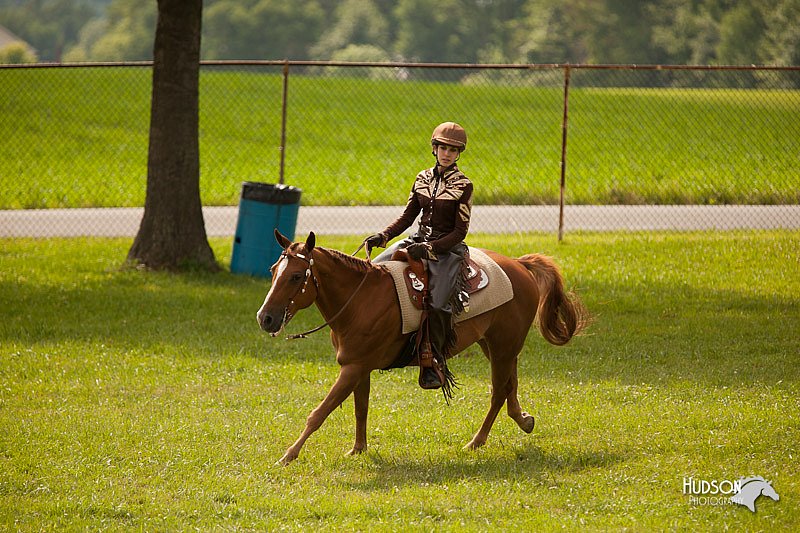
[{"x": 444, "y": 196}]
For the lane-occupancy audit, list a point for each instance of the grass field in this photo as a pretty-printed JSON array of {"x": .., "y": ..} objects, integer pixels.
[
  {"x": 150, "y": 401},
  {"x": 78, "y": 138}
]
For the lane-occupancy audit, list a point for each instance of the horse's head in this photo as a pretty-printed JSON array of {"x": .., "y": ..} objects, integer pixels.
[
  {"x": 751, "y": 488},
  {"x": 294, "y": 286},
  {"x": 769, "y": 491}
]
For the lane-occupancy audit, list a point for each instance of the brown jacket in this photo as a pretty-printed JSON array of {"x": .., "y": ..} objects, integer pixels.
[{"x": 446, "y": 208}]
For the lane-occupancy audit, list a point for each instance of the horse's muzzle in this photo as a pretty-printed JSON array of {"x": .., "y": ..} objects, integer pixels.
[{"x": 271, "y": 320}]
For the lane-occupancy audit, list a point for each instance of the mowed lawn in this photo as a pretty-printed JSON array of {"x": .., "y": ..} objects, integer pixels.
[
  {"x": 149, "y": 401},
  {"x": 78, "y": 137}
]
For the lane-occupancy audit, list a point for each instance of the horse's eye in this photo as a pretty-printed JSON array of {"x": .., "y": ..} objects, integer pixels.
[{"x": 296, "y": 277}]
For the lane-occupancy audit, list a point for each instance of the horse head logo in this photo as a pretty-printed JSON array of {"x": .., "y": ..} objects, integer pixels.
[{"x": 750, "y": 489}]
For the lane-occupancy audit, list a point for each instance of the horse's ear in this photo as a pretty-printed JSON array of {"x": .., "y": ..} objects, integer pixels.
[
  {"x": 311, "y": 241},
  {"x": 282, "y": 240}
]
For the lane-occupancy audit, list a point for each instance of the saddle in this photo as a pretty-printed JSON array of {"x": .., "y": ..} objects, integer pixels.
[
  {"x": 410, "y": 278},
  {"x": 496, "y": 290},
  {"x": 415, "y": 276}
]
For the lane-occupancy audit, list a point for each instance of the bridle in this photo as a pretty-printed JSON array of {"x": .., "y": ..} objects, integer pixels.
[{"x": 302, "y": 289}]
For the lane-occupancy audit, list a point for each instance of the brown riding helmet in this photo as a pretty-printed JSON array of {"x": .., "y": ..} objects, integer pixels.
[{"x": 450, "y": 133}]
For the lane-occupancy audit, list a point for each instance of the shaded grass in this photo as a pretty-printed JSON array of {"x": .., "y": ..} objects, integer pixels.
[
  {"x": 152, "y": 401},
  {"x": 78, "y": 138}
]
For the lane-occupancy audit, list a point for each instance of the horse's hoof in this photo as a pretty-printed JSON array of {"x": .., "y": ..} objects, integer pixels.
[
  {"x": 355, "y": 451},
  {"x": 474, "y": 444},
  {"x": 285, "y": 460},
  {"x": 527, "y": 423}
]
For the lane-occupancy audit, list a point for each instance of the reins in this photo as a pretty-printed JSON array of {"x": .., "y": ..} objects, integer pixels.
[{"x": 341, "y": 310}]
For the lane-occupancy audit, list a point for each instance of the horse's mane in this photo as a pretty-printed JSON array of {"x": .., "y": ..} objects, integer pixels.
[
  {"x": 744, "y": 481},
  {"x": 349, "y": 261}
]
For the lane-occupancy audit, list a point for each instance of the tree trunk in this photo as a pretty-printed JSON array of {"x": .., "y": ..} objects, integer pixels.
[{"x": 172, "y": 233}]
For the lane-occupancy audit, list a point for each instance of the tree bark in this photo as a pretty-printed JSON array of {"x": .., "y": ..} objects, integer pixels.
[{"x": 172, "y": 233}]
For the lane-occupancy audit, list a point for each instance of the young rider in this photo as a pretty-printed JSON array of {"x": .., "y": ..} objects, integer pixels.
[{"x": 444, "y": 196}]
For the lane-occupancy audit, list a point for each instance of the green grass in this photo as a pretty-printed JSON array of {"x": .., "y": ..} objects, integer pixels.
[
  {"x": 152, "y": 401},
  {"x": 78, "y": 138}
]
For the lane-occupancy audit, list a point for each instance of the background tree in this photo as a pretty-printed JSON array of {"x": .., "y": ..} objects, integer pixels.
[
  {"x": 688, "y": 31},
  {"x": 263, "y": 29},
  {"x": 621, "y": 33},
  {"x": 50, "y": 26},
  {"x": 497, "y": 25},
  {"x": 741, "y": 30},
  {"x": 439, "y": 31},
  {"x": 460, "y": 31},
  {"x": 552, "y": 32},
  {"x": 781, "y": 43},
  {"x": 123, "y": 33},
  {"x": 16, "y": 53},
  {"x": 172, "y": 234},
  {"x": 356, "y": 22}
]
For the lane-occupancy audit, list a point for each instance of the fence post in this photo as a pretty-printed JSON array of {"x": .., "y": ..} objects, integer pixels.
[
  {"x": 564, "y": 122},
  {"x": 283, "y": 117}
]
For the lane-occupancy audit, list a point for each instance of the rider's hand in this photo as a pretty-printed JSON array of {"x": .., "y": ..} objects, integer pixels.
[
  {"x": 373, "y": 241},
  {"x": 419, "y": 250}
]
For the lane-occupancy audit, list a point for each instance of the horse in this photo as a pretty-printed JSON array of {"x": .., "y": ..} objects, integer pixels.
[
  {"x": 358, "y": 301},
  {"x": 751, "y": 489}
]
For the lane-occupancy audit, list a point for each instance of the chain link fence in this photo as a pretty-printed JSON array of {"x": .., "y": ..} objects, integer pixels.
[{"x": 551, "y": 147}]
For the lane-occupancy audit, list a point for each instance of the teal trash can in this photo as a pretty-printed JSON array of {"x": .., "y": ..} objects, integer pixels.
[{"x": 262, "y": 208}]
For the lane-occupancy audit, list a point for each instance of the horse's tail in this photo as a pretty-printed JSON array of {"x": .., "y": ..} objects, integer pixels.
[{"x": 561, "y": 314}]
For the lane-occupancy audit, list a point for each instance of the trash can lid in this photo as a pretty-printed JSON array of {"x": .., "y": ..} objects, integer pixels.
[{"x": 269, "y": 193}]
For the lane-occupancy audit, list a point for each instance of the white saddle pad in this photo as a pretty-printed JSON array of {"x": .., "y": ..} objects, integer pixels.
[{"x": 498, "y": 292}]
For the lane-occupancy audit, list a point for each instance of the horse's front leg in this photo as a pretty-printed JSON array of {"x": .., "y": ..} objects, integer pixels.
[
  {"x": 361, "y": 400},
  {"x": 349, "y": 377}
]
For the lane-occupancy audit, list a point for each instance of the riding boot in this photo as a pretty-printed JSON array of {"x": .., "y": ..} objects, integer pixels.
[
  {"x": 435, "y": 347},
  {"x": 439, "y": 326},
  {"x": 430, "y": 376}
]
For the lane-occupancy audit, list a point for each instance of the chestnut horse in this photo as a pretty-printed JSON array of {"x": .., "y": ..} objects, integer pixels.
[{"x": 358, "y": 301}]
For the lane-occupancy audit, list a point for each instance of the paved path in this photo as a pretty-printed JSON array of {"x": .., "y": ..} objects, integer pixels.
[{"x": 221, "y": 221}]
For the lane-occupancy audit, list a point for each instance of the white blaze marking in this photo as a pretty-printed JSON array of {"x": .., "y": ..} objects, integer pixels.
[{"x": 281, "y": 267}]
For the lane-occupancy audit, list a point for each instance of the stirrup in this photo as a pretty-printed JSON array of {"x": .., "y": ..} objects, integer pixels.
[{"x": 431, "y": 378}]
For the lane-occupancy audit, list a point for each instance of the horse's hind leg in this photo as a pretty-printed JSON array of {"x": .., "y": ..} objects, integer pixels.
[
  {"x": 523, "y": 419},
  {"x": 502, "y": 387}
]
